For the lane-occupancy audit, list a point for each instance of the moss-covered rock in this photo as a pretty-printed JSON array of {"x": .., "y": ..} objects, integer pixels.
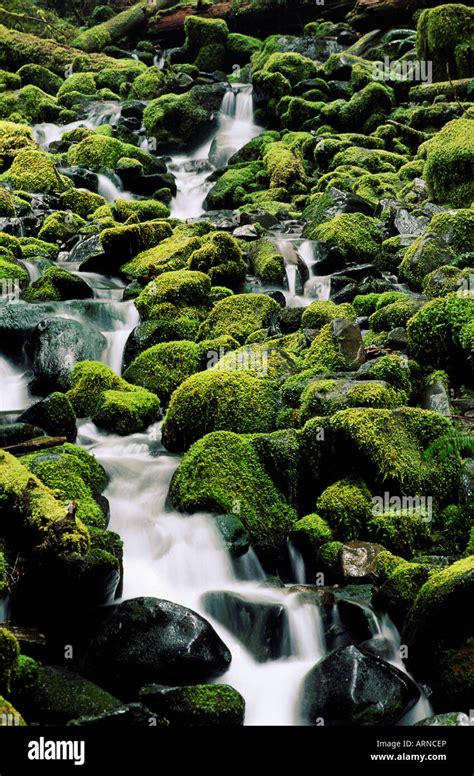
[
  {"x": 221, "y": 258},
  {"x": 62, "y": 695},
  {"x": 10, "y": 714},
  {"x": 434, "y": 332},
  {"x": 266, "y": 262},
  {"x": 100, "y": 152},
  {"x": 126, "y": 412},
  {"x": 149, "y": 84},
  {"x": 396, "y": 314},
  {"x": 320, "y": 313},
  {"x": 346, "y": 507},
  {"x": 234, "y": 186},
  {"x": 324, "y": 397},
  {"x": 200, "y": 705},
  {"x": 232, "y": 479},
  {"x": 449, "y": 158},
  {"x": 445, "y": 37},
  {"x": 176, "y": 120},
  {"x": 9, "y": 653},
  {"x": 120, "y": 243},
  {"x": 239, "y": 316},
  {"x": 180, "y": 288},
  {"x": 82, "y": 203},
  {"x": 55, "y": 414},
  {"x": 56, "y": 285},
  {"x": 170, "y": 254},
  {"x": 41, "y": 77},
  {"x": 218, "y": 400},
  {"x": 163, "y": 367},
  {"x": 34, "y": 171},
  {"x": 337, "y": 348},
  {"x": 354, "y": 235},
  {"x": 401, "y": 531}
]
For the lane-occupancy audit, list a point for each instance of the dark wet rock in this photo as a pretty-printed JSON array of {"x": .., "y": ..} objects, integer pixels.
[
  {"x": 196, "y": 705},
  {"x": 234, "y": 534},
  {"x": 246, "y": 232},
  {"x": 397, "y": 339},
  {"x": 355, "y": 618},
  {"x": 406, "y": 223},
  {"x": 56, "y": 345},
  {"x": 133, "y": 109},
  {"x": 146, "y": 640},
  {"x": 258, "y": 216},
  {"x": 84, "y": 249},
  {"x": 290, "y": 319},
  {"x": 337, "y": 202},
  {"x": 348, "y": 340},
  {"x": 279, "y": 297},
  {"x": 81, "y": 177},
  {"x": 126, "y": 716},
  {"x": 55, "y": 414},
  {"x": 18, "y": 321},
  {"x": 62, "y": 695},
  {"x": 353, "y": 687},
  {"x": 358, "y": 561},
  {"x": 261, "y": 626},
  {"x": 380, "y": 646},
  {"x": 14, "y": 433},
  {"x": 344, "y": 293}
]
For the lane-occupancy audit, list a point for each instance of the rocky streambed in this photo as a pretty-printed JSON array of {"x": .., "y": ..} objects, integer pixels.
[{"x": 236, "y": 476}]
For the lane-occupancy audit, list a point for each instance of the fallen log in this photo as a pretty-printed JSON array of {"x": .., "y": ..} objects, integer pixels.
[
  {"x": 106, "y": 33},
  {"x": 33, "y": 445}
]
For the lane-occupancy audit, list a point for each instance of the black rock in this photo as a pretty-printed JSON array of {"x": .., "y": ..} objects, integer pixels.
[
  {"x": 126, "y": 716},
  {"x": 55, "y": 414},
  {"x": 234, "y": 534},
  {"x": 56, "y": 345},
  {"x": 146, "y": 640},
  {"x": 196, "y": 705},
  {"x": 261, "y": 626},
  {"x": 353, "y": 687},
  {"x": 18, "y": 321},
  {"x": 15, "y": 433}
]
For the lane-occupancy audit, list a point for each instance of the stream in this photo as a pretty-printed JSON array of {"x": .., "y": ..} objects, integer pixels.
[{"x": 184, "y": 558}]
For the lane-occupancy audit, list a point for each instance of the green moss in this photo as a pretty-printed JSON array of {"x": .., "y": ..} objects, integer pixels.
[
  {"x": 449, "y": 159},
  {"x": 266, "y": 262},
  {"x": 285, "y": 168},
  {"x": 324, "y": 355},
  {"x": 32, "y": 248},
  {"x": 329, "y": 559},
  {"x": 354, "y": 235},
  {"x": 312, "y": 530},
  {"x": 60, "y": 226},
  {"x": 320, "y": 313},
  {"x": 148, "y": 84},
  {"x": 31, "y": 104},
  {"x": 100, "y": 152},
  {"x": 456, "y": 227},
  {"x": 144, "y": 209},
  {"x": 219, "y": 292},
  {"x": 390, "y": 444},
  {"x": 446, "y": 280},
  {"x": 71, "y": 478},
  {"x": 372, "y": 160},
  {"x": 434, "y": 332},
  {"x": 7, "y": 204},
  {"x": 40, "y": 76},
  {"x": 221, "y": 258},
  {"x": 239, "y": 316},
  {"x": 386, "y": 563},
  {"x": 30, "y": 509},
  {"x": 324, "y": 397},
  {"x": 235, "y": 184},
  {"x": 240, "y": 47},
  {"x": 445, "y": 36},
  {"x": 56, "y": 285},
  {"x": 395, "y": 314},
  {"x": 89, "y": 379},
  {"x": 9, "y": 652},
  {"x": 127, "y": 412},
  {"x": 34, "y": 171},
  {"x": 176, "y": 119},
  {"x": 365, "y": 304},
  {"x": 392, "y": 369},
  {"x": 346, "y": 507},
  {"x": 83, "y": 203},
  {"x": 7, "y": 711},
  {"x": 222, "y": 472},
  {"x": 402, "y": 531},
  {"x": 78, "y": 82},
  {"x": 24, "y": 679},
  {"x": 180, "y": 288},
  {"x": 9, "y": 270},
  {"x": 218, "y": 400},
  {"x": 263, "y": 359},
  {"x": 130, "y": 239},
  {"x": 162, "y": 368},
  {"x": 291, "y": 65}
]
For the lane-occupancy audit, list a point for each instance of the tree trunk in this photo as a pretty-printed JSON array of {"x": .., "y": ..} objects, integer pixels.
[
  {"x": 33, "y": 445},
  {"x": 96, "y": 38}
]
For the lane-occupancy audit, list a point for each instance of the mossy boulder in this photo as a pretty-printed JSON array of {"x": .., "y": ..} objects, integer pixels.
[
  {"x": 218, "y": 400},
  {"x": 143, "y": 209},
  {"x": 171, "y": 254},
  {"x": 73, "y": 475},
  {"x": 41, "y": 77},
  {"x": 395, "y": 315},
  {"x": 232, "y": 479},
  {"x": 200, "y": 705},
  {"x": 319, "y": 313},
  {"x": 149, "y": 84},
  {"x": 180, "y": 288},
  {"x": 235, "y": 185},
  {"x": 177, "y": 120},
  {"x": 346, "y": 507},
  {"x": 324, "y": 397},
  {"x": 449, "y": 161},
  {"x": 337, "y": 348},
  {"x": 221, "y": 258},
  {"x": 30, "y": 510},
  {"x": 354, "y": 236},
  {"x": 403, "y": 531},
  {"x": 9, "y": 653},
  {"x": 57, "y": 285},
  {"x": 120, "y": 243},
  {"x": 82, "y": 203},
  {"x": 12, "y": 270},
  {"x": 240, "y": 315},
  {"x": 55, "y": 414},
  {"x": 34, "y": 171},
  {"x": 163, "y": 367},
  {"x": 285, "y": 168},
  {"x": 62, "y": 695},
  {"x": 266, "y": 262},
  {"x": 436, "y": 332},
  {"x": 100, "y": 152},
  {"x": 445, "y": 37}
]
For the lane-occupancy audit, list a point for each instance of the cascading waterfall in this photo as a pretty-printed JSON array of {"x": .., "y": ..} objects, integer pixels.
[
  {"x": 14, "y": 394},
  {"x": 235, "y": 128},
  {"x": 98, "y": 113}
]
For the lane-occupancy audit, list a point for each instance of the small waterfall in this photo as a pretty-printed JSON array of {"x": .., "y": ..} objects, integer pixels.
[
  {"x": 14, "y": 394},
  {"x": 98, "y": 113},
  {"x": 306, "y": 628},
  {"x": 159, "y": 60},
  {"x": 33, "y": 270},
  {"x": 110, "y": 187},
  {"x": 235, "y": 128},
  {"x": 297, "y": 564}
]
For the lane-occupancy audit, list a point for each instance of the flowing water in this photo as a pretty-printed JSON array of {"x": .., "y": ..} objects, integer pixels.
[
  {"x": 167, "y": 554},
  {"x": 235, "y": 127}
]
